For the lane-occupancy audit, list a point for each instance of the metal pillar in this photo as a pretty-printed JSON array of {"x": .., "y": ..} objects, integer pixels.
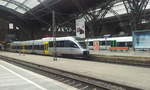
[
  {"x": 96, "y": 17},
  {"x": 54, "y": 36}
]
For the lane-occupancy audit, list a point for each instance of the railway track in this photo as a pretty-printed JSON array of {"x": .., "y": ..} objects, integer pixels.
[{"x": 79, "y": 81}]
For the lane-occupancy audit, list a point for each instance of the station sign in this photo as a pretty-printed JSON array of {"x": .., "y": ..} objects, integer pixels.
[{"x": 80, "y": 28}]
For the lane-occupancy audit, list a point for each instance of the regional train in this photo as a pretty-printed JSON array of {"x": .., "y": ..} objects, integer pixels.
[
  {"x": 106, "y": 43},
  {"x": 64, "y": 46}
]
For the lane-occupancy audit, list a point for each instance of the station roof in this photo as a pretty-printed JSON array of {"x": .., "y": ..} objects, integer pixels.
[
  {"x": 21, "y": 6},
  {"x": 40, "y": 10},
  {"x": 120, "y": 9}
]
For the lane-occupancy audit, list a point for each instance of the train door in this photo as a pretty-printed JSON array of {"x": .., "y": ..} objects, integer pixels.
[
  {"x": 46, "y": 48},
  {"x": 22, "y": 48}
]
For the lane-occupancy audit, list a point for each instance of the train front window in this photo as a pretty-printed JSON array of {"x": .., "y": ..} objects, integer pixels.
[
  {"x": 83, "y": 44},
  {"x": 73, "y": 45}
]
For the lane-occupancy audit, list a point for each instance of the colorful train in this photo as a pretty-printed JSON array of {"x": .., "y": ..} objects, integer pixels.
[{"x": 106, "y": 43}]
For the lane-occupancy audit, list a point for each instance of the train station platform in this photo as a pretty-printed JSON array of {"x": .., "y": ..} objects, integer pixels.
[
  {"x": 15, "y": 78},
  {"x": 133, "y": 76},
  {"x": 138, "y": 58}
]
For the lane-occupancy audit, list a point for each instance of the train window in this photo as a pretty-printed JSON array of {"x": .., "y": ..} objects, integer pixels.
[
  {"x": 83, "y": 44},
  {"x": 70, "y": 44},
  {"x": 42, "y": 47},
  {"x": 36, "y": 47},
  {"x": 73, "y": 45},
  {"x": 66, "y": 43},
  {"x": 121, "y": 44},
  {"x": 30, "y": 47},
  {"x": 39, "y": 47},
  {"x": 20, "y": 47},
  {"x": 102, "y": 43},
  {"x": 91, "y": 43},
  {"x": 50, "y": 44},
  {"x": 60, "y": 44},
  {"x": 108, "y": 43},
  {"x": 17, "y": 47},
  {"x": 57, "y": 44},
  {"x": 129, "y": 44},
  {"x": 13, "y": 47},
  {"x": 25, "y": 47}
]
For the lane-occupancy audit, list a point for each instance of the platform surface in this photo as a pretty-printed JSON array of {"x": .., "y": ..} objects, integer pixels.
[
  {"x": 127, "y": 75},
  {"x": 16, "y": 78}
]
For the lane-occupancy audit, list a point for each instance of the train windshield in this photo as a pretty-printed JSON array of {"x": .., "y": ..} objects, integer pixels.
[{"x": 83, "y": 44}]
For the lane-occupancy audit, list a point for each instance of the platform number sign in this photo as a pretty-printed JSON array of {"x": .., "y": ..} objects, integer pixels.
[{"x": 80, "y": 28}]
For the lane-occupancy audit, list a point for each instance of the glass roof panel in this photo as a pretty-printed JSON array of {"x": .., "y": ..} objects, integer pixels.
[
  {"x": 3, "y": 2},
  {"x": 31, "y": 3},
  {"x": 120, "y": 9},
  {"x": 20, "y": 10},
  {"x": 21, "y": 6},
  {"x": 41, "y": 0},
  {"x": 12, "y": 6},
  {"x": 21, "y": 1},
  {"x": 148, "y": 6}
]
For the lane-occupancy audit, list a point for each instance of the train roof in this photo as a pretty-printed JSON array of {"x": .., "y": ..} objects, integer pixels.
[
  {"x": 58, "y": 38},
  {"x": 118, "y": 39},
  {"x": 44, "y": 39}
]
